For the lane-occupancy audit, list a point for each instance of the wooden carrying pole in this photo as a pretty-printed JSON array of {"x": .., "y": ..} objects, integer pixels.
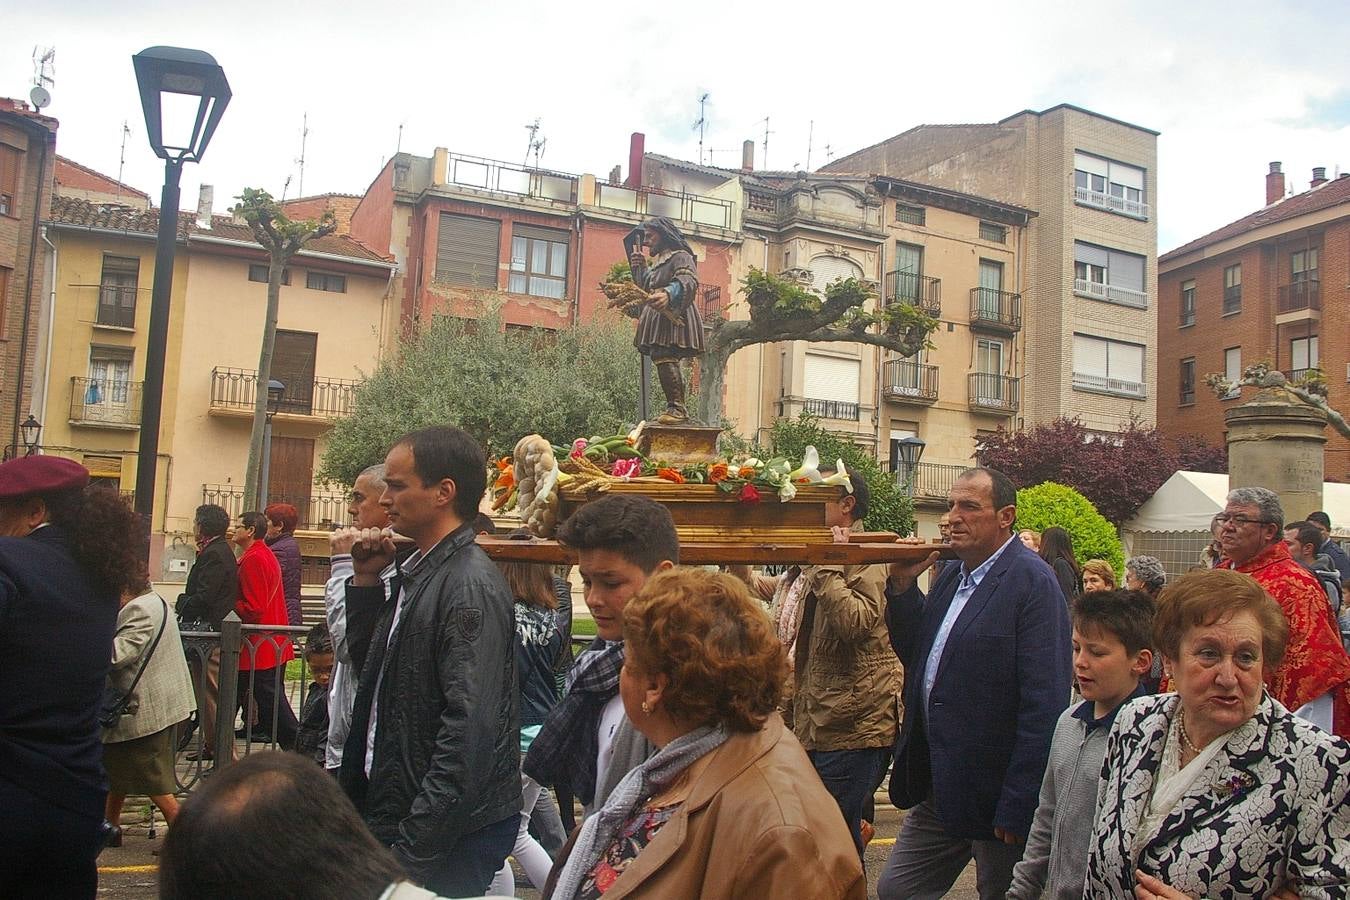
[{"x": 863, "y": 552}]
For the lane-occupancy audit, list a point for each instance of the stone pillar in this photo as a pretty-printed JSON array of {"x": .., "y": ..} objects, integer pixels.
[{"x": 1277, "y": 442}]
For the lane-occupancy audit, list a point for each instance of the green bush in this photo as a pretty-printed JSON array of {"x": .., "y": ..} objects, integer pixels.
[{"x": 1050, "y": 504}]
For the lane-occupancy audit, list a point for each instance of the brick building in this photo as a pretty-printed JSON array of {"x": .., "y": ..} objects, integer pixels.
[
  {"x": 1273, "y": 286},
  {"x": 27, "y": 160}
]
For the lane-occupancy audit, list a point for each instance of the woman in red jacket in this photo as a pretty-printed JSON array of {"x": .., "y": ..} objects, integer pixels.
[{"x": 261, "y": 601}]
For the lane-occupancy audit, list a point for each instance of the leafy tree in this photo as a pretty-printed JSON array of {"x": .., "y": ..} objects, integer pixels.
[
  {"x": 890, "y": 508},
  {"x": 1116, "y": 472},
  {"x": 496, "y": 384},
  {"x": 282, "y": 238},
  {"x": 1050, "y": 504}
]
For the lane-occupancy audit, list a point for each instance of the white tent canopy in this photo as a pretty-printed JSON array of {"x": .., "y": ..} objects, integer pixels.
[{"x": 1188, "y": 501}]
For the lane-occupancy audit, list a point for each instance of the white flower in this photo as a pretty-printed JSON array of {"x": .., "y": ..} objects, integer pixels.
[
  {"x": 810, "y": 468},
  {"x": 786, "y": 491},
  {"x": 840, "y": 477}
]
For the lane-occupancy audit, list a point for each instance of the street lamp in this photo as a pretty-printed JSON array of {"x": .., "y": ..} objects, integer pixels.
[
  {"x": 275, "y": 391},
  {"x": 183, "y": 95},
  {"x": 910, "y": 451},
  {"x": 31, "y": 430}
]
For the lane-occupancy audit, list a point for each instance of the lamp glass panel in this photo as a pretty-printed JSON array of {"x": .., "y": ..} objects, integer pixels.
[{"x": 178, "y": 120}]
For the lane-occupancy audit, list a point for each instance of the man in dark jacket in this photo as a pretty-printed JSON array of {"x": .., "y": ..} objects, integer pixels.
[
  {"x": 209, "y": 596},
  {"x": 433, "y": 757},
  {"x": 987, "y": 669}
]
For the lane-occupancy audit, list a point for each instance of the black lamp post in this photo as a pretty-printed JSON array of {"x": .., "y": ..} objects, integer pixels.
[
  {"x": 275, "y": 391},
  {"x": 910, "y": 450},
  {"x": 183, "y": 94},
  {"x": 31, "y": 430}
]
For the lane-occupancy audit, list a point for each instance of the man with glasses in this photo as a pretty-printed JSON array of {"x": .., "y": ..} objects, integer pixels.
[{"x": 1314, "y": 679}]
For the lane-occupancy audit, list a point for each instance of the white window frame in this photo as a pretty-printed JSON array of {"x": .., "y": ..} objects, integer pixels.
[
  {"x": 1232, "y": 370},
  {"x": 1111, "y": 382},
  {"x": 1110, "y": 185}
]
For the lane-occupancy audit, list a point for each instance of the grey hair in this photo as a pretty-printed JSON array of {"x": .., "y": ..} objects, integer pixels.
[
  {"x": 1149, "y": 570},
  {"x": 1266, "y": 501},
  {"x": 374, "y": 473}
]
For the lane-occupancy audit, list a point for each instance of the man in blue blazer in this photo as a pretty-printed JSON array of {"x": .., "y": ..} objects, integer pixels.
[{"x": 987, "y": 673}]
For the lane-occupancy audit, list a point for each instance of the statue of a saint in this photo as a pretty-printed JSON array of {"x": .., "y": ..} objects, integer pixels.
[{"x": 669, "y": 328}]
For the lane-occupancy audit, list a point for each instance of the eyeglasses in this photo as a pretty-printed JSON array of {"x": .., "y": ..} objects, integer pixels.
[{"x": 1239, "y": 521}]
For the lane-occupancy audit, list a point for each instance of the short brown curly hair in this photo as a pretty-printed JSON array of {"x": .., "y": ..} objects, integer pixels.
[
  {"x": 703, "y": 632},
  {"x": 1209, "y": 595}
]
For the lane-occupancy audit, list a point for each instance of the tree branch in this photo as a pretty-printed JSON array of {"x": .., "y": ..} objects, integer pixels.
[{"x": 1262, "y": 376}]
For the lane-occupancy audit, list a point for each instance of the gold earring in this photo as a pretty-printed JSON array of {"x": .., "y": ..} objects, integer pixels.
[{"x": 646, "y": 707}]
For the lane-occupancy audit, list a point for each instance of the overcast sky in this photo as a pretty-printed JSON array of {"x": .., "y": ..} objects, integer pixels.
[{"x": 1231, "y": 85}]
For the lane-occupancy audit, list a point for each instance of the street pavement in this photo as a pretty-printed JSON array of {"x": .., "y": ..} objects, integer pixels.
[{"x": 130, "y": 872}]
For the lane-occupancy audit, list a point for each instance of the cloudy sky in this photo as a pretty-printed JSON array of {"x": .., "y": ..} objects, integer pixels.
[{"x": 1231, "y": 85}]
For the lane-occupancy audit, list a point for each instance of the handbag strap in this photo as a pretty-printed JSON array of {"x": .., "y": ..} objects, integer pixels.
[{"x": 164, "y": 620}]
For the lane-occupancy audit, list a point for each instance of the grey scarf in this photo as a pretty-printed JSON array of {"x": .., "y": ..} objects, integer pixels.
[{"x": 599, "y": 831}]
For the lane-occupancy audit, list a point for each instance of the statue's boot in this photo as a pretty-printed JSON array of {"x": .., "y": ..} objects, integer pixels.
[{"x": 672, "y": 385}]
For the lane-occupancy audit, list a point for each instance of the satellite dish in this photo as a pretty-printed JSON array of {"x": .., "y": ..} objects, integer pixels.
[{"x": 40, "y": 96}]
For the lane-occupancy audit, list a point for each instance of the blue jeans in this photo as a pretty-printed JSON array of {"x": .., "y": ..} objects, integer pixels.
[
  {"x": 467, "y": 868},
  {"x": 851, "y": 777}
]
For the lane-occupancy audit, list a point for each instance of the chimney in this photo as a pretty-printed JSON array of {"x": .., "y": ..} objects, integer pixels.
[
  {"x": 636, "y": 149},
  {"x": 748, "y": 156},
  {"x": 616, "y": 175},
  {"x": 206, "y": 196},
  {"x": 1319, "y": 176},
  {"x": 1274, "y": 184}
]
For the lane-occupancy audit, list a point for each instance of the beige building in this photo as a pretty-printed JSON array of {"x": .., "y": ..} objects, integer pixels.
[{"x": 1089, "y": 307}]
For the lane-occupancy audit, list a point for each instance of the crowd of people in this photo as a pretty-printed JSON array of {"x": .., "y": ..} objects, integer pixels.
[{"x": 725, "y": 733}]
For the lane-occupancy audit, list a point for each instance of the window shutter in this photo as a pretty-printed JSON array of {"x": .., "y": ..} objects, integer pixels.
[
  {"x": 1126, "y": 362},
  {"x": 1126, "y": 270},
  {"x": 467, "y": 251},
  {"x": 1091, "y": 254},
  {"x": 825, "y": 269},
  {"x": 1128, "y": 176},
  {"x": 831, "y": 378},
  {"x": 1089, "y": 356},
  {"x": 1093, "y": 164},
  {"x": 539, "y": 234}
]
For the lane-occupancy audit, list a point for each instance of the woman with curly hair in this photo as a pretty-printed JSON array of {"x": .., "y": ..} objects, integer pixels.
[
  {"x": 729, "y": 806},
  {"x": 67, "y": 553}
]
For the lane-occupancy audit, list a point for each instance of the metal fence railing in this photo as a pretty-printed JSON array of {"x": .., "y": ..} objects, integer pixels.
[{"x": 319, "y": 510}]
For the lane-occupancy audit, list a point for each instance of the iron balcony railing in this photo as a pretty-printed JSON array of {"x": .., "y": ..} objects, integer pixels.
[
  {"x": 994, "y": 393},
  {"x": 1299, "y": 295},
  {"x": 117, "y": 306},
  {"x": 913, "y": 289},
  {"x": 1111, "y": 293},
  {"x": 1100, "y": 200},
  {"x": 320, "y": 509},
  {"x": 105, "y": 401},
  {"x": 711, "y": 306},
  {"x": 999, "y": 310},
  {"x": 508, "y": 178},
  {"x": 678, "y": 205},
  {"x": 329, "y": 398},
  {"x": 1107, "y": 385},
  {"x": 931, "y": 481},
  {"x": 907, "y": 381},
  {"x": 832, "y": 409},
  {"x": 1294, "y": 376}
]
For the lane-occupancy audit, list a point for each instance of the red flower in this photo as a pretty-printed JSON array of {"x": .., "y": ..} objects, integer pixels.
[
  {"x": 670, "y": 475},
  {"x": 748, "y": 494},
  {"x": 718, "y": 472}
]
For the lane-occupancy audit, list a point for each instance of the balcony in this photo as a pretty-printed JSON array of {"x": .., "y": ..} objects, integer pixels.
[
  {"x": 116, "y": 307},
  {"x": 234, "y": 391},
  {"x": 915, "y": 290},
  {"x": 677, "y": 205},
  {"x": 993, "y": 310},
  {"x": 996, "y": 394},
  {"x": 932, "y": 482},
  {"x": 1102, "y": 384},
  {"x": 711, "y": 306},
  {"x": 1111, "y": 203},
  {"x": 1110, "y": 293},
  {"x": 508, "y": 178},
  {"x": 832, "y": 409},
  {"x": 907, "y": 381},
  {"x": 320, "y": 510},
  {"x": 1294, "y": 376},
  {"x": 105, "y": 403},
  {"x": 1232, "y": 299},
  {"x": 1299, "y": 296}
]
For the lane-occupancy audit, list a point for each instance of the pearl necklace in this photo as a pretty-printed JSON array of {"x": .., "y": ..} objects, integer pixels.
[{"x": 1185, "y": 738}]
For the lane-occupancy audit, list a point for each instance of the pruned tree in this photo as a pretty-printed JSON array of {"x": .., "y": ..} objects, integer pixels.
[
  {"x": 1310, "y": 389},
  {"x": 282, "y": 238},
  {"x": 783, "y": 310}
]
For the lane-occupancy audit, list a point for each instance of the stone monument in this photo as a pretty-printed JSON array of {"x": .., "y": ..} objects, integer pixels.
[{"x": 1276, "y": 442}]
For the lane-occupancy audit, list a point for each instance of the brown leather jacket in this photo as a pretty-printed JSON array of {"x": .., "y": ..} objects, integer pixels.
[{"x": 758, "y": 823}]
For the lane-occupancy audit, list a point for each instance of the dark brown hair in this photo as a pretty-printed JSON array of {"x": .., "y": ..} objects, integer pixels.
[
  {"x": 1125, "y": 615},
  {"x": 1211, "y": 595},
  {"x": 703, "y": 632},
  {"x": 639, "y": 530}
]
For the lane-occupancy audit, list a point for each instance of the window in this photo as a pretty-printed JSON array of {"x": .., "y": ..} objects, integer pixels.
[
  {"x": 1108, "y": 367},
  {"x": 9, "y": 180},
  {"x": 258, "y": 272},
  {"x": 1303, "y": 265},
  {"x": 325, "y": 281},
  {"x": 4, "y": 297},
  {"x": 1188, "y": 302},
  {"x": 989, "y": 357},
  {"x": 989, "y": 302},
  {"x": 1109, "y": 185},
  {"x": 293, "y": 356},
  {"x": 908, "y": 273},
  {"x": 991, "y": 232},
  {"x": 109, "y": 375},
  {"x": 825, "y": 270},
  {"x": 467, "y": 250},
  {"x": 1111, "y": 275},
  {"x": 538, "y": 262},
  {"x": 117, "y": 291},
  {"x": 988, "y": 386},
  {"x": 1187, "y": 381},
  {"x": 1232, "y": 369},
  {"x": 1232, "y": 289},
  {"x": 832, "y": 385},
  {"x": 910, "y": 215},
  {"x": 1303, "y": 355}
]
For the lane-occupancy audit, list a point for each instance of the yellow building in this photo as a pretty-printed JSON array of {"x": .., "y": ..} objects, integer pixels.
[{"x": 333, "y": 325}]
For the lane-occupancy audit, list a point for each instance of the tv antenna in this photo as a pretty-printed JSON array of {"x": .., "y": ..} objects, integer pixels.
[
  {"x": 536, "y": 144},
  {"x": 304, "y": 136},
  {"x": 701, "y": 124},
  {"x": 121, "y": 163},
  {"x": 767, "y": 132},
  {"x": 285, "y": 187},
  {"x": 810, "y": 137},
  {"x": 44, "y": 66},
  {"x": 398, "y": 147}
]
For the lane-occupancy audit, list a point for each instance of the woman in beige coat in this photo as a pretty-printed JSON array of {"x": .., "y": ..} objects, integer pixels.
[
  {"x": 729, "y": 806},
  {"x": 138, "y": 751}
]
